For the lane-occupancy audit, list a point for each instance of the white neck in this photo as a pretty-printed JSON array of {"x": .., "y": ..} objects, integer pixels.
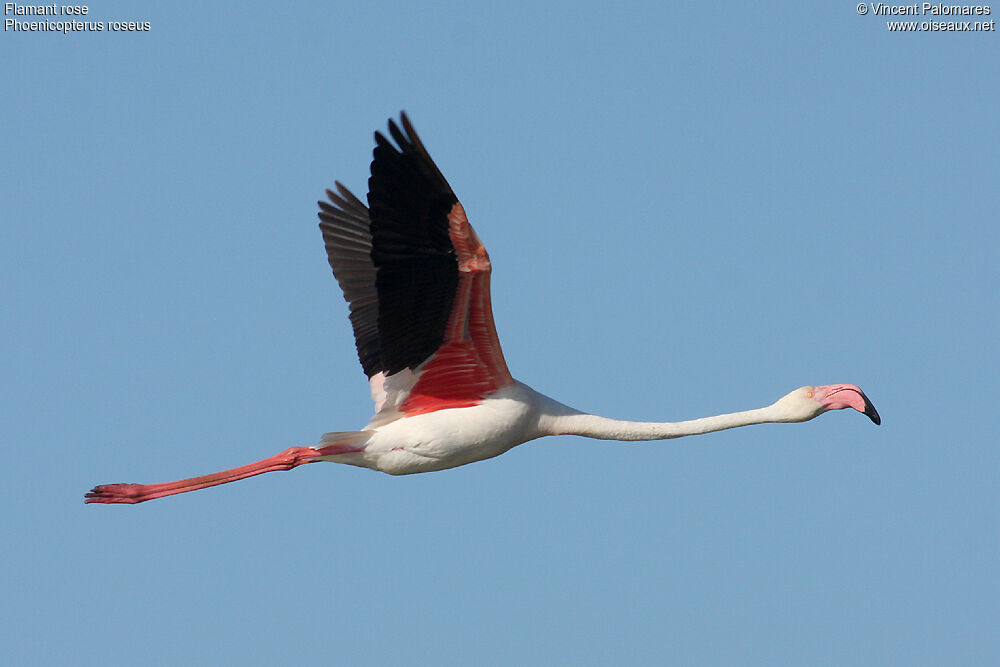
[{"x": 558, "y": 419}]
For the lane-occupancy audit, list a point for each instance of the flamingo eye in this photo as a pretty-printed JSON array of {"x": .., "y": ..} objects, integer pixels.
[{"x": 809, "y": 394}]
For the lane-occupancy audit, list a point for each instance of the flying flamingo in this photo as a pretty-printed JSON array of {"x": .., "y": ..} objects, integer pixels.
[{"x": 417, "y": 279}]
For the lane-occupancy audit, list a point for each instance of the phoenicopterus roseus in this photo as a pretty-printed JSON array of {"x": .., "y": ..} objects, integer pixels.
[{"x": 417, "y": 280}]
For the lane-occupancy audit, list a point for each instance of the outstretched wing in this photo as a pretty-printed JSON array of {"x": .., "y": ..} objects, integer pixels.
[
  {"x": 348, "y": 238},
  {"x": 436, "y": 343}
]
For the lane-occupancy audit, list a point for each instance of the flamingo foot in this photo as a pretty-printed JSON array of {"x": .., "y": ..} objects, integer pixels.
[{"x": 118, "y": 493}]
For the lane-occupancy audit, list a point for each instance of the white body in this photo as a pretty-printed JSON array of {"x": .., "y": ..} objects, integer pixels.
[{"x": 448, "y": 438}]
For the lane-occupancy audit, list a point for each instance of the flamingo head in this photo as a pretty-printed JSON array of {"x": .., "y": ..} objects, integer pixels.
[{"x": 807, "y": 402}]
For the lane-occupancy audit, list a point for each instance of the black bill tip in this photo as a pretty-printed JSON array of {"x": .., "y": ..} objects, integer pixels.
[{"x": 871, "y": 412}]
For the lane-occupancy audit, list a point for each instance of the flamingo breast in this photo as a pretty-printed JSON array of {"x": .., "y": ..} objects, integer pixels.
[{"x": 452, "y": 437}]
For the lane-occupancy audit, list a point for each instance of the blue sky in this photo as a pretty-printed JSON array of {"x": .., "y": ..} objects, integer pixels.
[{"x": 690, "y": 209}]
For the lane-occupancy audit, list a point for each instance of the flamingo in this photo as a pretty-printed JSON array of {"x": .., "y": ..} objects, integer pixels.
[{"x": 417, "y": 279}]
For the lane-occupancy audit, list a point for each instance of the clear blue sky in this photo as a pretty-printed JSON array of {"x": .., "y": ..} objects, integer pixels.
[{"x": 691, "y": 210}]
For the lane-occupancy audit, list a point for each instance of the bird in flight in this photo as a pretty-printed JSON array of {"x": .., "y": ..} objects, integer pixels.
[{"x": 417, "y": 279}]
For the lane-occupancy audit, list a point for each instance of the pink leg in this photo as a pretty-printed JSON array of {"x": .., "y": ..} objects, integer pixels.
[{"x": 137, "y": 493}]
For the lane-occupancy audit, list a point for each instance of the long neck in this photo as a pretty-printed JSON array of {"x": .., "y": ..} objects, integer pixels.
[{"x": 558, "y": 419}]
